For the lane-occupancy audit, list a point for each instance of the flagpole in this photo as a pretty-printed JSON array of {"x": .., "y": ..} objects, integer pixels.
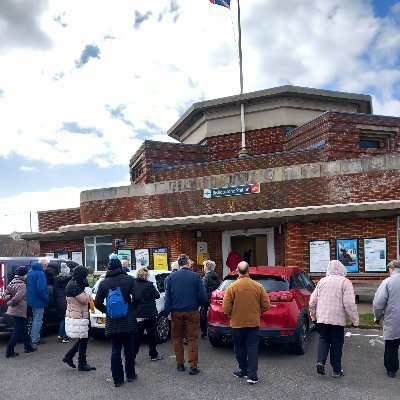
[{"x": 243, "y": 152}]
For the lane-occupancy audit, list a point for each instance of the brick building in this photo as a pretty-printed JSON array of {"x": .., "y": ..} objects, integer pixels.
[{"x": 321, "y": 180}]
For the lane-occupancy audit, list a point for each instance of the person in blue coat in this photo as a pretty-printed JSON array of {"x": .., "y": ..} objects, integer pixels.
[
  {"x": 37, "y": 297},
  {"x": 184, "y": 294}
]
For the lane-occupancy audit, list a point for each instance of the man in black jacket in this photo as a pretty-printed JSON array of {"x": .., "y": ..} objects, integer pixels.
[{"x": 122, "y": 330}]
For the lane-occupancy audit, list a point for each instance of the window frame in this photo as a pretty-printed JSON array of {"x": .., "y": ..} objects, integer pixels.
[{"x": 95, "y": 245}]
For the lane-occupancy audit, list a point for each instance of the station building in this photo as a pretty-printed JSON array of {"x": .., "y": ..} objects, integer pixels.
[{"x": 322, "y": 173}]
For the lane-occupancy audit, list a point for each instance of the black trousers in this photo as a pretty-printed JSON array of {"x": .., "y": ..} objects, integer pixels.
[
  {"x": 331, "y": 339},
  {"x": 20, "y": 330},
  {"x": 391, "y": 356},
  {"x": 246, "y": 342},
  {"x": 79, "y": 347},
  {"x": 203, "y": 318},
  {"x": 127, "y": 341},
  {"x": 149, "y": 325}
]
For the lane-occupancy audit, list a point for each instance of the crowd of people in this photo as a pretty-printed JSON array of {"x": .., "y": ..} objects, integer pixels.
[{"x": 123, "y": 299}]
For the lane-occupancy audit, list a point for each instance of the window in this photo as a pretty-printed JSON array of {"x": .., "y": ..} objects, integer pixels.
[
  {"x": 369, "y": 144},
  {"x": 97, "y": 250},
  {"x": 296, "y": 281},
  {"x": 270, "y": 283},
  {"x": 309, "y": 284}
]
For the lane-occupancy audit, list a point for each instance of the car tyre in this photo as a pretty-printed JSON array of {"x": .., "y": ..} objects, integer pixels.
[
  {"x": 215, "y": 342},
  {"x": 163, "y": 328},
  {"x": 300, "y": 345}
]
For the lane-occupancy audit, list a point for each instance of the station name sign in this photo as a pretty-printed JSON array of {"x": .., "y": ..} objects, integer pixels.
[{"x": 252, "y": 188}]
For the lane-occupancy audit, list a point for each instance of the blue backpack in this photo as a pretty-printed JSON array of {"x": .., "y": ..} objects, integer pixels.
[{"x": 116, "y": 306}]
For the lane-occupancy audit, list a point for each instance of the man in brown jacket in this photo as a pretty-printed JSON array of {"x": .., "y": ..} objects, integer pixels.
[{"x": 244, "y": 302}]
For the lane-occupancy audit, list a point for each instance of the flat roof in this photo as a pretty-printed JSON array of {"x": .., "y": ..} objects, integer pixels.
[{"x": 197, "y": 109}]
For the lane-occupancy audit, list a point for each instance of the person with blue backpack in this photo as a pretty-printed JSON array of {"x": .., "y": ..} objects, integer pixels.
[{"x": 119, "y": 291}]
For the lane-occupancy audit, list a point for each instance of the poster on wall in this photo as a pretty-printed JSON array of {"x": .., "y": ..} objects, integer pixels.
[
  {"x": 49, "y": 255},
  {"x": 125, "y": 254},
  {"x": 142, "y": 258},
  {"x": 63, "y": 255},
  {"x": 347, "y": 253},
  {"x": 375, "y": 254},
  {"x": 319, "y": 255},
  {"x": 160, "y": 258},
  {"x": 77, "y": 257}
]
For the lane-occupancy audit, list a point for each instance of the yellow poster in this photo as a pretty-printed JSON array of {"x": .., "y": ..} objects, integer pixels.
[
  {"x": 160, "y": 260},
  {"x": 201, "y": 257}
]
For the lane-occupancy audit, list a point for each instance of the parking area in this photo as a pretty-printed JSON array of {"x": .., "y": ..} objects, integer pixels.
[{"x": 43, "y": 376}]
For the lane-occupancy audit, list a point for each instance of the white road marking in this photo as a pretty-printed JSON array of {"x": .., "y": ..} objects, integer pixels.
[{"x": 349, "y": 334}]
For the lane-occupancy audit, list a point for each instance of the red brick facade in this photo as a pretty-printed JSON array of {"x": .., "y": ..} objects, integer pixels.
[
  {"x": 299, "y": 234},
  {"x": 183, "y": 171},
  {"x": 52, "y": 220}
]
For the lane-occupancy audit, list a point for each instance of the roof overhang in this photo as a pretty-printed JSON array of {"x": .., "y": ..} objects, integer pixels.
[
  {"x": 227, "y": 221},
  {"x": 196, "y": 111}
]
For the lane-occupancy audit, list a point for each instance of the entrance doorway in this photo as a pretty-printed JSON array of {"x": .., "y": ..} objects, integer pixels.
[{"x": 259, "y": 241}]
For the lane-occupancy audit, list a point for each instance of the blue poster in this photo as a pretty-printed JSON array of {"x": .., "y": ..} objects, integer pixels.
[{"x": 347, "y": 253}]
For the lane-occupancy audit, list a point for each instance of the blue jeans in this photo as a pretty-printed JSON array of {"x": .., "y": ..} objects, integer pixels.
[
  {"x": 20, "y": 330},
  {"x": 61, "y": 331},
  {"x": 36, "y": 323},
  {"x": 331, "y": 339},
  {"x": 246, "y": 342},
  {"x": 126, "y": 340}
]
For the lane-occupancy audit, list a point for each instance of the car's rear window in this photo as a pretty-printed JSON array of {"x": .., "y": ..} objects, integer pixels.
[{"x": 270, "y": 283}]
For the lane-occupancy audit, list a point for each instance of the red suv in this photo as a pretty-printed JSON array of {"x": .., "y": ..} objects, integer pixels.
[{"x": 287, "y": 320}]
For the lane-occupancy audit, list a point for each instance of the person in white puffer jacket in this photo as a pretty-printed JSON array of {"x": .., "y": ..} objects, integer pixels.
[{"x": 77, "y": 318}]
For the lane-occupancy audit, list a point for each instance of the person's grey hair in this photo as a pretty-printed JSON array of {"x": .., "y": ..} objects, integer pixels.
[
  {"x": 43, "y": 261},
  {"x": 209, "y": 265},
  {"x": 183, "y": 260},
  {"x": 65, "y": 271},
  {"x": 174, "y": 265},
  {"x": 395, "y": 264}
]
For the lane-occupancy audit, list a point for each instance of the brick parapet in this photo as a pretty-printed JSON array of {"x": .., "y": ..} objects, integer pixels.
[{"x": 52, "y": 220}]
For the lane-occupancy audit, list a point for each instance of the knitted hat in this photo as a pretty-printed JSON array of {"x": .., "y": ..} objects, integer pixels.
[
  {"x": 65, "y": 271},
  {"x": 21, "y": 271},
  {"x": 114, "y": 262}
]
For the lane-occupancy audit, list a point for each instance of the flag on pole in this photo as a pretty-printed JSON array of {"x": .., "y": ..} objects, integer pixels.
[{"x": 224, "y": 3}]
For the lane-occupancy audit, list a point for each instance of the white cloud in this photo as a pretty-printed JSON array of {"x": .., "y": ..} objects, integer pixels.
[{"x": 27, "y": 169}]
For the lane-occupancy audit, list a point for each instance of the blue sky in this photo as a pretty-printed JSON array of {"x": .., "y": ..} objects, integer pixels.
[{"x": 82, "y": 84}]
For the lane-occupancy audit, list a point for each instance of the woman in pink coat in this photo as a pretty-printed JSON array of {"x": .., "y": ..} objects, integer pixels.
[{"x": 331, "y": 300}]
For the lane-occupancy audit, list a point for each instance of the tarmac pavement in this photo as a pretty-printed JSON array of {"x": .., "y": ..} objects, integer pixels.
[{"x": 42, "y": 375}]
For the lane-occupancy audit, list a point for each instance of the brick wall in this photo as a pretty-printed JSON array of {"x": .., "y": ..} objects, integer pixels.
[
  {"x": 299, "y": 234},
  {"x": 340, "y": 132},
  {"x": 339, "y": 189},
  {"x": 153, "y": 156},
  {"x": 63, "y": 245},
  {"x": 52, "y": 220},
  {"x": 260, "y": 141}
]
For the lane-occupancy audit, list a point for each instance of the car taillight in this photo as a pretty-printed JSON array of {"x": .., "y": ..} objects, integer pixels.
[{"x": 281, "y": 297}]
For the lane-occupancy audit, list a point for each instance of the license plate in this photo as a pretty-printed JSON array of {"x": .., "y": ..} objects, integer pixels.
[{"x": 101, "y": 320}]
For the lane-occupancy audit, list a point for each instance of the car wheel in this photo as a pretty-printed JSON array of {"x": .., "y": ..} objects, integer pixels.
[
  {"x": 216, "y": 342},
  {"x": 163, "y": 328},
  {"x": 300, "y": 345}
]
